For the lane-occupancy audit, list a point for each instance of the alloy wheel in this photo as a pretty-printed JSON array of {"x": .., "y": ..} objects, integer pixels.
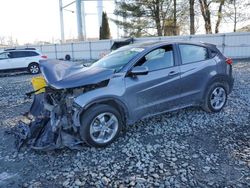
[
  {"x": 218, "y": 98},
  {"x": 104, "y": 127},
  {"x": 34, "y": 69}
]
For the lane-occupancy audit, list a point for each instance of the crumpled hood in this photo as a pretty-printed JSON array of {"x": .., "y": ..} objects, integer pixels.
[{"x": 62, "y": 75}]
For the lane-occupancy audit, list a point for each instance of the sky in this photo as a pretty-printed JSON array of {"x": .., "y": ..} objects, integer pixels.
[
  {"x": 38, "y": 20},
  {"x": 29, "y": 21}
]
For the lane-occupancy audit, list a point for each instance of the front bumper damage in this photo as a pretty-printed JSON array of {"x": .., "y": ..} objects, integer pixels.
[{"x": 53, "y": 122}]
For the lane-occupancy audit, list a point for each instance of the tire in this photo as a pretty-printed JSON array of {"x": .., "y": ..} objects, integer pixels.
[
  {"x": 215, "y": 97},
  {"x": 34, "y": 68},
  {"x": 67, "y": 57},
  {"x": 95, "y": 129}
]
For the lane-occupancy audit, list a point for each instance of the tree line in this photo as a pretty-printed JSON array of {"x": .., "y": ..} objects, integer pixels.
[{"x": 170, "y": 17}]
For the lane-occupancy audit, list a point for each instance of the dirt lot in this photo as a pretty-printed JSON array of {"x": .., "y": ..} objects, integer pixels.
[{"x": 187, "y": 148}]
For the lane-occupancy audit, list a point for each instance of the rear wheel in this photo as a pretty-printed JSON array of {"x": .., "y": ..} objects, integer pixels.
[
  {"x": 34, "y": 68},
  {"x": 216, "y": 97},
  {"x": 100, "y": 125}
]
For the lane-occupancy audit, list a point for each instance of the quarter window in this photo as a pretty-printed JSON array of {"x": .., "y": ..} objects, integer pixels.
[
  {"x": 213, "y": 53},
  {"x": 192, "y": 53}
]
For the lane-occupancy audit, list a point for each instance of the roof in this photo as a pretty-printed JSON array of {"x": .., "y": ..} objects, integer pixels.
[{"x": 151, "y": 44}]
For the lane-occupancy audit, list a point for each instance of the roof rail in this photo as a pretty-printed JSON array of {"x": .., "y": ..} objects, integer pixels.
[
  {"x": 10, "y": 49},
  {"x": 30, "y": 48}
]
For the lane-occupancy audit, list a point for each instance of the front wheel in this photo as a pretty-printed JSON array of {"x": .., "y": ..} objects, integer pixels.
[
  {"x": 34, "y": 68},
  {"x": 215, "y": 98},
  {"x": 100, "y": 125}
]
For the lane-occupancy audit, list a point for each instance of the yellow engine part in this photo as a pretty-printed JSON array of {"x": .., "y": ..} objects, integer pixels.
[{"x": 38, "y": 83}]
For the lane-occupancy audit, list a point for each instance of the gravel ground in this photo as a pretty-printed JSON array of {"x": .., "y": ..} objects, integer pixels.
[{"x": 186, "y": 148}]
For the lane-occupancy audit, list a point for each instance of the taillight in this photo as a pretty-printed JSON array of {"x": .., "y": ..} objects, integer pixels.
[
  {"x": 44, "y": 56},
  {"x": 229, "y": 61}
]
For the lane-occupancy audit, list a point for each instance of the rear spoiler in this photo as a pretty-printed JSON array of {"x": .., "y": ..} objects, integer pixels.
[
  {"x": 120, "y": 43},
  {"x": 211, "y": 46},
  {"x": 208, "y": 44}
]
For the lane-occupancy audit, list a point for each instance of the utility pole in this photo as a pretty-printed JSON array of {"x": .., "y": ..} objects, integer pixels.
[
  {"x": 99, "y": 11},
  {"x": 79, "y": 19},
  {"x": 83, "y": 20},
  {"x": 61, "y": 21}
]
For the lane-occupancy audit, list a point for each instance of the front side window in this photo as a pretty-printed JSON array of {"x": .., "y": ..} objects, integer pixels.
[
  {"x": 119, "y": 58},
  {"x": 193, "y": 53},
  {"x": 157, "y": 59}
]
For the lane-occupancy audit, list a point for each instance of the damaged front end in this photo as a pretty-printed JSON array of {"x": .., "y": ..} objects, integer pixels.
[{"x": 54, "y": 120}]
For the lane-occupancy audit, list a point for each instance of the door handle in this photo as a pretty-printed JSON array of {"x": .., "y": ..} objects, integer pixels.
[{"x": 172, "y": 73}]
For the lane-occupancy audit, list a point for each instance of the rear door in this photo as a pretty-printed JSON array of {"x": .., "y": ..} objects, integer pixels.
[
  {"x": 31, "y": 56},
  {"x": 19, "y": 59},
  {"x": 157, "y": 91},
  {"x": 196, "y": 69}
]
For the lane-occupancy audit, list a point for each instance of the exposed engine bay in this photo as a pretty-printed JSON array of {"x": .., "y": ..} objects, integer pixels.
[{"x": 53, "y": 119}]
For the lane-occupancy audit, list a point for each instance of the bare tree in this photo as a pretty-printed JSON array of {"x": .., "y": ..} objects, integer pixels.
[
  {"x": 219, "y": 16},
  {"x": 191, "y": 16},
  {"x": 175, "y": 19},
  {"x": 2, "y": 40},
  {"x": 236, "y": 12},
  {"x": 206, "y": 14}
]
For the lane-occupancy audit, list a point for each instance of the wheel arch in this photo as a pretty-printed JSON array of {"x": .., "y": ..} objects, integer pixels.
[
  {"x": 33, "y": 62},
  {"x": 116, "y": 103},
  {"x": 220, "y": 79}
]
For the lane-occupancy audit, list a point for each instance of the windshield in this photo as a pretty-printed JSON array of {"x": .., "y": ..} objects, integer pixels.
[{"x": 118, "y": 59}]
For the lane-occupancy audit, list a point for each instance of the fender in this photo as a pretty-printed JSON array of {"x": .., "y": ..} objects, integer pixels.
[{"x": 110, "y": 100}]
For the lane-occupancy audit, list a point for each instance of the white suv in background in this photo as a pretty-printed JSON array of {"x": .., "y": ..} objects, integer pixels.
[{"x": 21, "y": 59}]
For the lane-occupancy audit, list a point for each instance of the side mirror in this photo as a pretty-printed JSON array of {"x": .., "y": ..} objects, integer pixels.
[{"x": 139, "y": 70}]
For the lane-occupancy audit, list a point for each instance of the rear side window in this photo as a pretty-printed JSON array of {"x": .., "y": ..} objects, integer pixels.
[
  {"x": 31, "y": 53},
  {"x": 193, "y": 53}
]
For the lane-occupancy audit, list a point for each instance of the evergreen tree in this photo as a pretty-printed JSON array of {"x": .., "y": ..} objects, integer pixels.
[
  {"x": 104, "y": 28},
  {"x": 147, "y": 18}
]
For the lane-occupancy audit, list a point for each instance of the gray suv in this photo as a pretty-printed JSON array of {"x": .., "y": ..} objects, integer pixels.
[{"x": 132, "y": 83}]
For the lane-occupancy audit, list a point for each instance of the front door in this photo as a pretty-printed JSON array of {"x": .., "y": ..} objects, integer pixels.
[
  {"x": 18, "y": 59},
  {"x": 157, "y": 91},
  {"x": 4, "y": 61}
]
